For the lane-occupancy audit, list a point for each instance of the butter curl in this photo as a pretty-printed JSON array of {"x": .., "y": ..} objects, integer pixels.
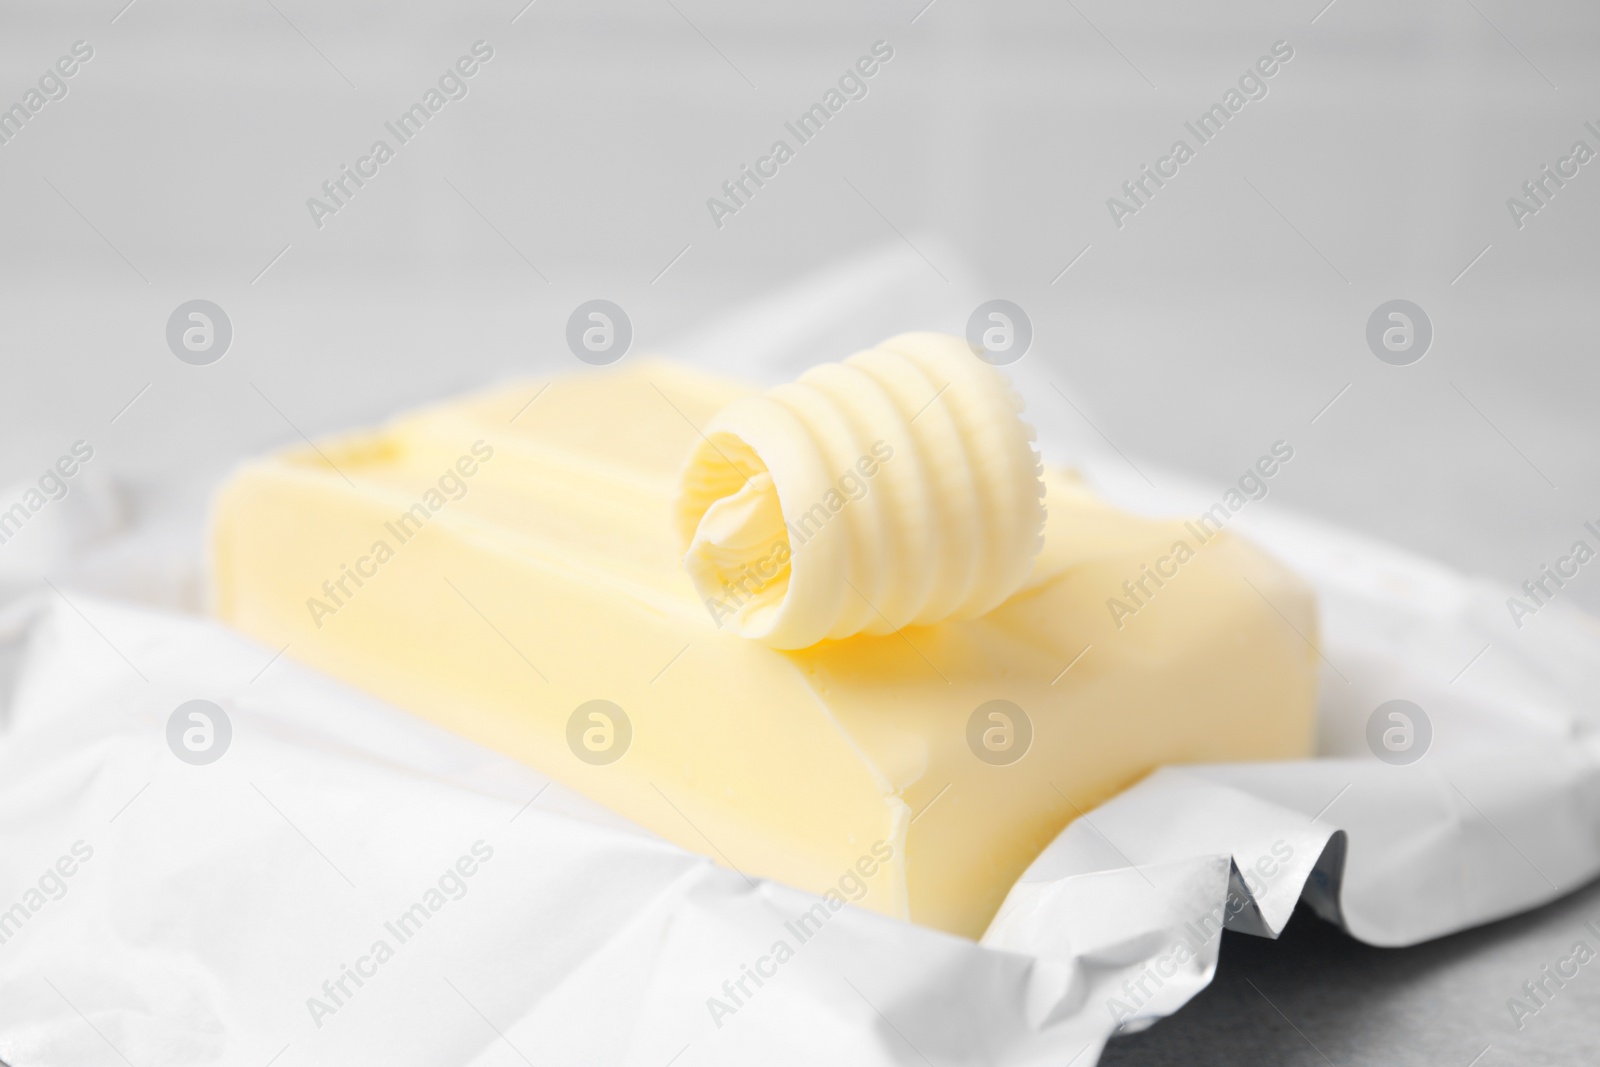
[{"x": 897, "y": 488}]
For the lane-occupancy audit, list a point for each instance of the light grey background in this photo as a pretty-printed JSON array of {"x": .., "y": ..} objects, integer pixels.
[
  {"x": 1202, "y": 329},
  {"x": 1225, "y": 315}
]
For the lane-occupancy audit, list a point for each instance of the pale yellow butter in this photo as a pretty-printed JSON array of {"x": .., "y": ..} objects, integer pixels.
[
  {"x": 897, "y": 488},
  {"x": 494, "y": 568}
]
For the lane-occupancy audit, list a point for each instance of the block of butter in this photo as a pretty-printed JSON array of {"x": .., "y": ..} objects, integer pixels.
[{"x": 511, "y": 567}]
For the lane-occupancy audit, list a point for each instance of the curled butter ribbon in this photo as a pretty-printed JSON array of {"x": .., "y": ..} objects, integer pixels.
[{"x": 897, "y": 488}]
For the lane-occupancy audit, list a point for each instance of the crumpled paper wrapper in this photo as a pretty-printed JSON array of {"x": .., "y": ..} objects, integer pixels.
[
  {"x": 220, "y": 906},
  {"x": 348, "y": 884}
]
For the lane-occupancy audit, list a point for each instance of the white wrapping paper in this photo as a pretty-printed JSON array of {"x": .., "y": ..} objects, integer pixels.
[{"x": 222, "y": 914}]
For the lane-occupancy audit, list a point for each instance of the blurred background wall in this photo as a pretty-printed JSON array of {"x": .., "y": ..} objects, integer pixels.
[{"x": 1224, "y": 315}]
